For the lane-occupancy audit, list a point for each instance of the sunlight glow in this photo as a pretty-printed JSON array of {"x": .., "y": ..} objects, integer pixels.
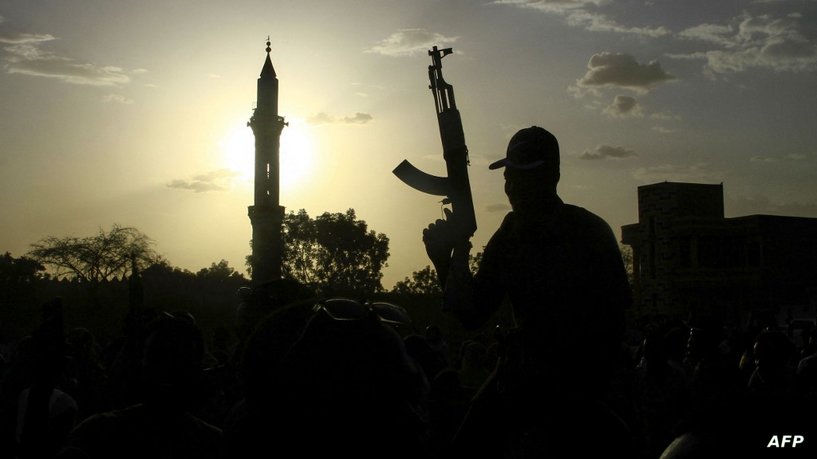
[
  {"x": 296, "y": 152},
  {"x": 238, "y": 151}
]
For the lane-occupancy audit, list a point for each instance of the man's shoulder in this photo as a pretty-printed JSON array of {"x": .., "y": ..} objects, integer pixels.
[
  {"x": 580, "y": 213},
  {"x": 508, "y": 220},
  {"x": 503, "y": 234},
  {"x": 581, "y": 218},
  {"x": 567, "y": 215}
]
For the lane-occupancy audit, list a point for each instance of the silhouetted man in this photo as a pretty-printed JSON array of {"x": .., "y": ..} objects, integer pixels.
[{"x": 561, "y": 269}]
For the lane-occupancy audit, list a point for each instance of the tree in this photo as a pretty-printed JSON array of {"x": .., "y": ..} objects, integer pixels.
[
  {"x": 422, "y": 282},
  {"x": 220, "y": 273},
  {"x": 425, "y": 282},
  {"x": 629, "y": 262},
  {"x": 18, "y": 277},
  {"x": 334, "y": 250},
  {"x": 14, "y": 271},
  {"x": 92, "y": 259},
  {"x": 21, "y": 280}
]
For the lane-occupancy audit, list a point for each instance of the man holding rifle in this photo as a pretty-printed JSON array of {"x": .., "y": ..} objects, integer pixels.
[{"x": 560, "y": 267}]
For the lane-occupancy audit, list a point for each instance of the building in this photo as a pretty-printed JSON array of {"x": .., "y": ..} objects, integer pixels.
[
  {"x": 689, "y": 258},
  {"x": 266, "y": 214}
]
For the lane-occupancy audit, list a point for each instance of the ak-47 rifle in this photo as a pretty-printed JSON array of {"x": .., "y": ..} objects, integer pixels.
[{"x": 455, "y": 187}]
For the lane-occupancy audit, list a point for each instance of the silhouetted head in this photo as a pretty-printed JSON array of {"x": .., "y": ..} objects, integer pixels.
[
  {"x": 255, "y": 303},
  {"x": 654, "y": 349},
  {"x": 531, "y": 167},
  {"x": 772, "y": 351},
  {"x": 171, "y": 363},
  {"x": 333, "y": 377},
  {"x": 705, "y": 336}
]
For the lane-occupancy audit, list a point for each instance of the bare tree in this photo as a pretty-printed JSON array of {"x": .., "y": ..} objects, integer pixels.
[{"x": 104, "y": 256}]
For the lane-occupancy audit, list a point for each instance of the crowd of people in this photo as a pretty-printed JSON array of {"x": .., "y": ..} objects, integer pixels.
[
  {"x": 296, "y": 373},
  {"x": 328, "y": 376}
]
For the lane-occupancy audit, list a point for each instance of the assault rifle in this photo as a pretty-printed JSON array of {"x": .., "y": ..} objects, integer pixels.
[{"x": 455, "y": 187}]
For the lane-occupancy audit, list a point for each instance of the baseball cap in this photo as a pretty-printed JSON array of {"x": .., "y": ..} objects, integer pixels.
[{"x": 530, "y": 148}]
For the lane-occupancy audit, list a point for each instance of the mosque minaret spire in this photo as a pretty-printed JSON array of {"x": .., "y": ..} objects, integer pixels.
[{"x": 266, "y": 213}]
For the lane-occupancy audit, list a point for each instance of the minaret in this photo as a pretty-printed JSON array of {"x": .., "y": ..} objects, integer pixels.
[{"x": 266, "y": 214}]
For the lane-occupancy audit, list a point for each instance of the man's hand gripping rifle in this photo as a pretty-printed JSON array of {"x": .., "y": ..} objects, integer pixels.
[{"x": 461, "y": 222}]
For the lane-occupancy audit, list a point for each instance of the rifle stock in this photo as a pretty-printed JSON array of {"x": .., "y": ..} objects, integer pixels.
[{"x": 455, "y": 186}]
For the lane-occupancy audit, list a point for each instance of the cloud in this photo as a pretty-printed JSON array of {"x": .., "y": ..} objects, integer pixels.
[
  {"x": 325, "y": 118},
  {"x": 198, "y": 187},
  {"x": 774, "y": 159},
  {"x": 117, "y": 98},
  {"x": 217, "y": 180},
  {"x": 553, "y": 6},
  {"x": 24, "y": 55},
  {"x": 595, "y": 22},
  {"x": 82, "y": 74},
  {"x": 762, "y": 159},
  {"x": 665, "y": 116},
  {"x": 357, "y": 118},
  {"x": 663, "y": 130},
  {"x": 607, "y": 151},
  {"x": 713, "y": 33},
  {"x": 608, "y": 69},
  {"x": 695, "y": 173},
  {"x": 25, "y": 38},
  {"x": 407, "y": 42},
  {"x": 624, "y": 106},
  {"x": 584, "y": 14},
  {"x": 780, "y": 43}
]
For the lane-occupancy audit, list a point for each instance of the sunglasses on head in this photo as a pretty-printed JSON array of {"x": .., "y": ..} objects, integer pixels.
[{"x": 345, "y": 309}]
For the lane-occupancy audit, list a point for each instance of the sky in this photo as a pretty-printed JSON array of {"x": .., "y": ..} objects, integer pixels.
[{"x": 135, "y": 112}]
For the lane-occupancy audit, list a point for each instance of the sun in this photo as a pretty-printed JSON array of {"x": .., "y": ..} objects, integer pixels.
[{"x": 296, "y": 153}]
